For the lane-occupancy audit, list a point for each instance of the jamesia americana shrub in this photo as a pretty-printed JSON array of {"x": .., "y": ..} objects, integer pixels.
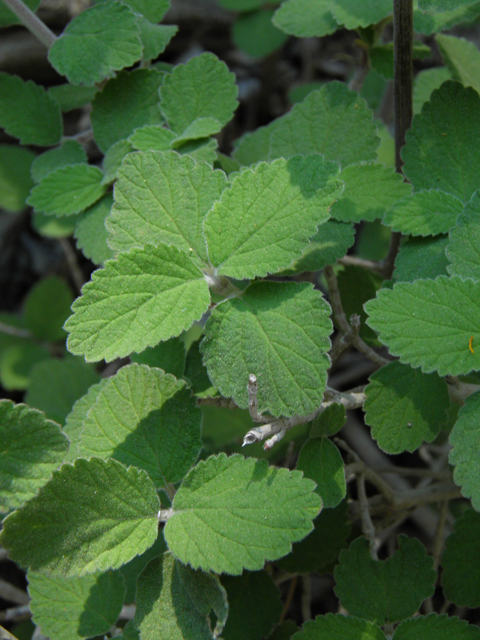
[{"x": 118, "y": 493}]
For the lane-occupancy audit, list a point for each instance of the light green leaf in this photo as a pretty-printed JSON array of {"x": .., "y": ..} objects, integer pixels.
[
  {"x": 424, "y": 213},
  {"x": 46, "y": 308},
  {"x": 465, "y": 440},
  {"x": 384, "y": 591},
  {"x": 425, "y": 82},
  {"x": 163, "y": 197},
  {"x": 200, "y": 128},
  {"x": 351, "y": 14},
  {"x": 144, "y": 296},
  {"x": 435, "y": 627},
  {"x": 70, "y": 96},
  {"x": 203, "y": 87},
  {"x": 154, "y": 37},
  {"x": 242, "y": 510},
  {"x": 145, "y": 418},
  {"x": 152, "y": 137},
  {"x": 15, "y": 180},
  {"x": 8, "y": 18},
  {"x": 321, "y": 461},
  {"x": 113, "y": 159},
  {"x": 175, "y": 602},
  {"x": 462, "y": 58},
  {"x": 108, "y": 515},
  {"x": 31, "y": 448},
  {"x": 421, "y": 258},
  {"x": 67, "y": 190},
  {"x": 255, "y": 34},
  {"x": 28, "y": 112},
  {"x": 370, "y": 189},
  {"x": 91, "y": 233},
  {"x": 305, "y": 19},
  {"x": 169, "y": 356},
  {"x": 339, "y": 626},
  {"x": 203, "y": 150},
  {"x": 280, "y": 333},
  {"x": 444, "y": 20},
  {"x": 440, "y": 151},
  {"x": 428, "y": 323},
  {"x": 75, "y": 419},
  {"x": 70, "y": 152},
  {"x": 463, "y": 247},
  {"x": 100, "y": 40},
  {"x": 263, "y": 221},
  {"x": 329, "y": 422},
  {"x": 405, "y": 407},
  {"x": 461, "y": 561},
  {"x": 77, "y": 607},
  {"x": 127, "y": 102}
]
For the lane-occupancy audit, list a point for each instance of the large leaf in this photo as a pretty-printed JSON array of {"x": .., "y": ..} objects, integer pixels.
[
  {"x": 339, "y": 626},
  {"x": 144, "y": 296},
  {"x": 465, "y": 440},
  {"x": 461, "y": 561},
  {"x": 424, "y": 213},
  {"x": 306, "y": 19},
  {"x": 92, "y": 516},
  {"x": 463, "y": 247},
  {"x": 278, "y": 332},
  {"x": 242, "y": 510},
  {"x": 435, "y": 627}
]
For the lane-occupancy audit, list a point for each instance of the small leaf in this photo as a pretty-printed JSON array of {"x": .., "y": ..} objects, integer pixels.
[
  {"x": 70, "y": 96},
  {"x": 321, "y": 461},
  {"x": 465, "y": 440},
  {"x": 86, "y": 54},
  {"x": 28, "y": 112},
  {"x": 255, "y": 34},
  {"x": 329, "y": 422},
  {"x": 462, "y": 58},
  {"x": 46, "y": 308},
  {"x": 424, "y": 213},
  {"x": 8, "y": 18},
  {"x": 144, "y": 296},
  {"x": 153, "y": 10},
  {"x": 196, "y": 373},
  {"x": 279, "y": 332},
  {"x": 242, "y": 510},
  {"x": 462, "y": 249},
  {"x": 461, "y": 561},
  {"x": 15, "y": 180},
  {"x": 108, "y": 515},
  {"x": 31, "y": 448},
  {"x": 17, "y": 362},
  {"x": 421, "y": 259},
  {"x": 356, "y": 286},
  {"x": 169, "y": 356},
  {"x": 70, "y": 152},
  {"x": 435, "y": 627},
  {"x": 199, "y": 128},
  {"x": 113, "y": 159},
  {"x": 152, "y": 137},
  {"x": 425, "y": 82},
  {"x": 351, "y": 15},
  {"x": 384, "y": 591},
  {"x": 305, "y": 19},
  {"x": 90, "y": 231},
  {"x": 132, "y": 570},
  {"x": 339, "y": 626},
  {"x": 155, "y": 37},
  {"x": 52, "y": 227}
]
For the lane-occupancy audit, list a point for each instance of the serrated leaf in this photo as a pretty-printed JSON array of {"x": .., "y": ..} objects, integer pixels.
[
  {"x": 440, "y": 150},
  {"x": 280, "y": 333},
  {"x": 144, "y": 296},
  {"x": 465, "y": 440},
  {"x": 255, "y": 34},
  {"x": 75, "y": 419},
  {"x": 329, "y": 422},
  {"x": 15, "y": 180},
  {"x": 421, "y": 258},
  {"x": 86, "y": 54},
  {"x": 370, "y": 189},
  {"x": 384, "y": 591},
  {"x": 462, "y": 59},
  {"x": 169, "y": 356},
  {"x": 305, "y": 19},
  {"x": 203, "y": 87},
  {"x": 199, "y": 128},
  {"x": 77, "y": 607},
  {"x": 31, "y": 448},
  {"x": 202, "y": 150},
  {"x": 67, "y": 190},
  {"x": 428, "y": 323},
  {"x": 405, "y": 407},
  {"x": 352, "y": 15},
  {"x": 8, "y": 18},
  {"x": 113, "y": 159},
  {"x": 70, "y": 96},
  {"x": 152, "y": 137},
  {"x": 424, "y": 213},
  {"x": 464, "y": 237},
  {"x": 175, "y": 602},
  {"x": 244, "y": 511},
  {"x": 90, "y": 231},
  {"x": 127, "y": 102},
  {"x": 108, "y": 515},
  {"x": 435, "y": 627},
  {"x": 263, "y": 221},
  {"x": 163, "y": 197},
  {"x": 154, "y": 37},
  {"x": 70, "y": 152},
  {"x": 46, "y": 308},
  {"x": 461, "y": 561},
  {"x": 321, "y": 461},
  {"x": 425, "y": 83},
  {"x": 339, "y": 626},
  {"x": 28, "y": 112},
  {"x": 145, "y": 418}
]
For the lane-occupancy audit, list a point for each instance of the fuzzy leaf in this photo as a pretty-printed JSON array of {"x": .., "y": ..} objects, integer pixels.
[
  {"x": 144, "y": 296},
  {"x": 465, "y": 440},
  {"x": 75, "y": 419},
  {"x": 352, "y": 15},
  {"x": 199, "y": 128},
  {"x": 463, "y": 247},
  {"x": 242, "y": 510},
  {"x": 435, "y": 627},
  {"x": 320, "y": 460},
  {"x": 100, "y": 40},
  {"x": 280, "y": 333},
  {"x": 263, "y": 221},
  {"x": 46, "y": 308},
  {"x": 428, "y": 323},
  {"x": 152, "y": 137},
  {"x": 421, "y": 259},
  {"x": 461, "y": 561},
  {"x": 341, "y": 627},
  {"x": 462, "y": 58},
  {"x": 90, "y": 231},
  {"x": 305, "y": 19},
  {"x": 424, "y": 213},
  {"x": 70, "y": 152}
]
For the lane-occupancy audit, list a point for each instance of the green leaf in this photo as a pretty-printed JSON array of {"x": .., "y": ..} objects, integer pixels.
[
  {"x": 31, "y": 448},
  {"x": 242, "y": 510},
  {"x": 70, "y": 152},
  {"x": 52, "y": 227},
  {"x": 462, "y": 249},
  {"x": 425, "y": 83},
  {"x": 200, "y": 128},
  {"x": 108, "y": 515},
  {"x": 8, "y": 18},
  {"x": 280, "y": 333},
  {"x": 56, "y": 384},
  {"x": 424, "y": 213},
  {"x": 67, "y": 190},
  {"x": 28, "y": 112},
  {"x": 132, "y": 570},
  {"x": 382, "y": 57},
  {"x": 351, "y": 14},
  {"x": 263, "y": 221},
  {"x": 440, "y": 151},
  {"x": 256, "y": 593},
  {"x": 77, "y": 607},
  {"x": 163, "y": 197},
  {"x": 443, "y": 20},
  {"x": 255, "y": 34},
  {"x": 17, "y": 362},
  {"x": 428, "y": 323},
  {"x": 435, "y": 627},
  {"x": 461, "y": 561},
  {"x": 113, "y": 159},
  {"x": 203, "y": 87},
  {"x": 370, "y": 189},
  {"x": 384, "y": 591},
  {"x": 153, "y": 10},
  {"x": 356, "y": 286},
  {"x": 329, "y": 422},
  {"x": 441, "y": 5},
  {"x": 196, "y": 373},
  {"x": 145, "y": 418},
  {"x": 421, "y": 258},
  {"x": 462, "y": 58},
  {"x": 241, "y": 5},
  {"x": 75, "y": 419},
  {"x": 127, "y": 102},
  {"x": 90, "y": 231},
  {"x": 175, "y": 602},
  {"x": 339, "y": 626},
  {"x": 152, "y": 137},
  {"x": 154, "y": 37},
  {"x": 203, "y": 150},
  {"x": 70, "y": 96},
  {"x": 46, "y": 308},
  {"x": 15, "y": 180},
  {"x": 169, "y": 356},
  {"x": 305, "y": 19},
  {"x": 320, "y": 460},
  {"x": 405, "y": 407},
  {"x": 144, "y": 296},
  {"x": 465, "y": 440},
  {"x": 87, "y": 54}
]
